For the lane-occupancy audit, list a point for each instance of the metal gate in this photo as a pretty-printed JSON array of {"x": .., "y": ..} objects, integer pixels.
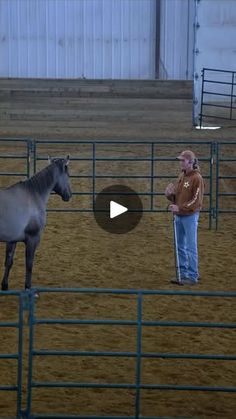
[
  {"x": 15, "y": 150},
  {"x": 28, "y": 300},
  {"x": 145, "y": 166},
  {"x": 225, "y": 182},
  {"x": 218, "y": 92},
  {"x": 15, "y": 356}
]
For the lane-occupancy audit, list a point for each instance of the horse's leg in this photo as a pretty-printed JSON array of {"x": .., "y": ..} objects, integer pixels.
[
  {"x": 10, "y": 250},
  {"x": 30, "y": 246}
]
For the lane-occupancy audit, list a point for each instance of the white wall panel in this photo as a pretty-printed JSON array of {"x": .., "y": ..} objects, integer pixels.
[
  {"x": 78, "y": 38},
  {"x": 215, "y": 46},
  {"x": 176, "y": 39}
]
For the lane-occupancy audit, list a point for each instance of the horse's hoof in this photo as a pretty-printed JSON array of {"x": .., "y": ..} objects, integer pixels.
[
  {"x": 36, "y": 295},
  {"x": 4, "y": 287}
]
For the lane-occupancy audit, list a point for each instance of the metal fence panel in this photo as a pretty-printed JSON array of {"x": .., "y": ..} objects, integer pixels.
[
  {"x": 15, "y": 150},
  {"x": 225, "y": 182},
  {"x": 18, "y": 356},
  {"x": 142, "y": 165},
  {"x": 218, "y": 95},
  {"x": 27, "y": 300},
  {"x": 137, "y": 385},
  {"x": 214, "y": 41}
]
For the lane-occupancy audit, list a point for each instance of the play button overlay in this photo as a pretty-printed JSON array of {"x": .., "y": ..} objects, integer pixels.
[{"x": 118, "y": 209}]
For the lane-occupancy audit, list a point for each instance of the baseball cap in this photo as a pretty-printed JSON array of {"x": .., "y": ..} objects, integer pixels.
[{"x": 187, "y": 154}]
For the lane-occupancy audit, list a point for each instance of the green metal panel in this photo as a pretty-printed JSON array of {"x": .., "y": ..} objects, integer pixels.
[
  {"x": 137, "y": 385},
  {"x": 150, "y": 160},
  {"x": 18, "y": 357}
]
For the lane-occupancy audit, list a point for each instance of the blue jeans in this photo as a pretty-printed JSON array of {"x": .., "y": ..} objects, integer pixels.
[{"x": 186, "y": 238}]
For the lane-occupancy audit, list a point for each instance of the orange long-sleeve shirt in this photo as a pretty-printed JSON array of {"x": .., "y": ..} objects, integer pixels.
[{"x": 189, "y": 191}]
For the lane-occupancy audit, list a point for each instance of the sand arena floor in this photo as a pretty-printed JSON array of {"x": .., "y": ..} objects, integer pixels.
[{"x": 75, "y": 252}]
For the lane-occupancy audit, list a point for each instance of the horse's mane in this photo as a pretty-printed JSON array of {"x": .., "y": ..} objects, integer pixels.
[{"x": 42, "y": 180}]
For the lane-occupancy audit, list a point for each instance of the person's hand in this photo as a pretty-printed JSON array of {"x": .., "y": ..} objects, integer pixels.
[
  {"x": 170, "y": 189},
  {"x": 174, "y": 208}
]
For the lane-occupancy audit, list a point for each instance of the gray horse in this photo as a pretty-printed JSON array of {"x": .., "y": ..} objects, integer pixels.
[{"x": 23, "y": 212}]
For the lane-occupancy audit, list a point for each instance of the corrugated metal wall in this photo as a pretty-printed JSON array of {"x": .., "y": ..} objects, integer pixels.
[
  {"x": 78, "y": 38},
  {"x": 215, "y": 46},
  {"x": 176, "y": 39}
]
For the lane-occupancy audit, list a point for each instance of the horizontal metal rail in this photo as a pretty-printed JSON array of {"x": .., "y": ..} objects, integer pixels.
[
  {"x": 133, "y": 355},
  {"x": 227, "y": 194},
  {"x": 36, "y": 416},
  {"x": 8, "y": 388},
  {"x": 217, "y": 70},
  {"x": 134, "y": 323},
  {"x": 13, "y": 156},
  {"x": 124, "y": 142},
  {"x": 134, "y": 159},
  {"x": 144, "y": 292},
  {"x": 45, "y": 384},
  {"x": 217, "y": 82},
  {"x": 219, "y": 106},
  {"x": 9, "y": 324},
  {"x": 217, "y": 93},
  {"x": 21, "y": 174},
  {"x": 215, "y": 116},
  {"x": 9, "y": 356},
  {"x": 90, "y": 210},
  {"x": 130, "y": 193},
  {"x": 14, "y": 140},
  {"x": 227, "y": 211}
]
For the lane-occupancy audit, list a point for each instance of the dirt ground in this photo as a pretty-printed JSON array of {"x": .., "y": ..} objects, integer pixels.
[
  {"x": 75, "y": 252},
  {"x": 82, "y": 255}
]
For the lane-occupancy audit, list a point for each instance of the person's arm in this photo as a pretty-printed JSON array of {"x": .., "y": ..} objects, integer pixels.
[
  {"x": 170, "y": 192},
  {"x": 195, "y": 202}
]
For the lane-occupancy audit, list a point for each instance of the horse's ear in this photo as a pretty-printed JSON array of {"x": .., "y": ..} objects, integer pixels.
[
  {"x": 67, "y": 160},
  {"x": 49, "y": 159}
]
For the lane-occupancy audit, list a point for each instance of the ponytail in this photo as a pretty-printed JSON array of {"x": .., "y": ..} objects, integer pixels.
[{"x": 195, "y": 163}]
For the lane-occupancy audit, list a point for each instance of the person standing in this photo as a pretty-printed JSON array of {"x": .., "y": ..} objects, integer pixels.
[{"x": 186, "y": 197}]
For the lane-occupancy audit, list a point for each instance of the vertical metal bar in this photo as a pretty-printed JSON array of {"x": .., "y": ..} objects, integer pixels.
[
  {"x": 94, "y": 174},
  {"x": 31, "y": 343},
  {"x": 176, "y": 250},
  {"x": 188, "y": 41},
  {"x": 139, "y": 352},
  {"x": 195, "y": 117},
  {"x": 217, "y": 182},
  {"x": 35, "y": 155},
  {"x": 152, "y": 174},
  {"x": 231, "y": 99},
  {"x": 28, "y": 158},
  {"x": 211, "y": 214},
  {"x": 157, "y": 39},
  {"x": 203, "y": 80},
  {"x": 20, "y": 357}
]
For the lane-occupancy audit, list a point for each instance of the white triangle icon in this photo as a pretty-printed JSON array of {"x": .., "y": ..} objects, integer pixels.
[{"x": 116, "y": 209}]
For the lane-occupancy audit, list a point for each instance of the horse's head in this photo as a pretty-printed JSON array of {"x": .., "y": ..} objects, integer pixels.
[{"x": 62, "y": 185}]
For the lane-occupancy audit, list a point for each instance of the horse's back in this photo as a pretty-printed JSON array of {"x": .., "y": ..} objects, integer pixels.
[{"x": 18, "y": 211}]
